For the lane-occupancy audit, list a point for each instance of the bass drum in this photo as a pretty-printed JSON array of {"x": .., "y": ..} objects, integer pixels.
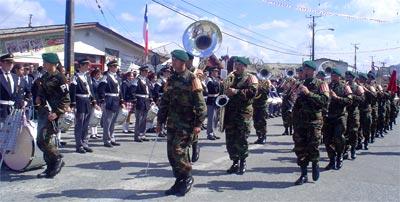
[
  {"x": 27, "y": 154},
  {"x": 95, "y": 117}
]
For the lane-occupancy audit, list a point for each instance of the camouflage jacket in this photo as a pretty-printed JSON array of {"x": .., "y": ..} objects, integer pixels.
[
  {"x": 182, "y": 104},
  {"x": 53, "y": 89},
  {"x": 260, "y": 100},
  {"x": 246, "y": 86},
  {"x": 309, "y": 107},
  {"x": 337, "y": 105},
  {"x": 370, "y": 97},
  {"x": 358, "y": 97}
]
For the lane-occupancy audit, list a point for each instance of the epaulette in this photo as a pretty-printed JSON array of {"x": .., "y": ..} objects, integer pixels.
[
  {"x": 196, "y": 85},
  {"x": 103, "y": 79},
  {"x": 135, "y": 81},
  {"x": 74, "y": 80},
  {"x": 252, "y": 79}
]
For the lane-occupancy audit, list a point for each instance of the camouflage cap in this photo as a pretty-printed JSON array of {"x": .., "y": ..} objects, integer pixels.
[{"x": 50, "y": 57}]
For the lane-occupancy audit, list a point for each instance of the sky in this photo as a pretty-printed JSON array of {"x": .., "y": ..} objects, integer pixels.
[{"x": 263, "y": 30}]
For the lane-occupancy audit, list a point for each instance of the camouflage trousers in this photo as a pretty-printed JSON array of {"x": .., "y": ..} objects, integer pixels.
[
  {"x": 353, "y": 123},
  {"x": 260, "y": 121},
  {"x": 178, "y": 143},
  {"x": 237, "y": 130},
  {"x": 307, "y": 138},
  {"x": 374, "y": 122},
  {"x": 365, "y": 125},
  {"x": 287, "y": 119},
  {"x": 46, "y": 139},
  {"x": 334, "y": 129}
]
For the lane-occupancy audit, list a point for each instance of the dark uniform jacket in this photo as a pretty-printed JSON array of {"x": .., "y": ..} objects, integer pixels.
[
  {"x": 22, "y": 93},
  {"x": 127, "y": 91},
  {"x": 213, "y": 89},
  {"x": 81, "y": 93},
  {"x": 109, "y": 91},
  {"x": 159, "y": 87},
  {"x": 142, "y": 89},
  {"x": 53, "y": 90},
  {"x": 6, "y": 94}
]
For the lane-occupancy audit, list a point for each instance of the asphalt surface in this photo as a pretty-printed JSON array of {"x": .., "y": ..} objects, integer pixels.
[{"x": 121, "y": 174}]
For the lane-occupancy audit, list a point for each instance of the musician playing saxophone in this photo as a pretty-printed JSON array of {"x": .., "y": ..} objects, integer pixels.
[
  {"x": 241, "y": 89},
  {"x": 53, "y": 91}
]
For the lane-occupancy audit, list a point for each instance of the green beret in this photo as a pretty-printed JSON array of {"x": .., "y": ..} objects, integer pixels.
[
  {"x": 363, "y": 75},
  {"x": 337, "y": 71},
  {"x": 299, "y": 69},
  {"x": 50, "y": 57},
  {"x": 351, "y": 73},
  {"x": 242, "y": 60},
  {"x": 310, "y": 64},
  {"x": 322, "y": 73},
  {"x": 180, "y": 54},
  {"x": 190, "y": 56},
  {"x": 7, "y": 57},
  {"x": 371, "y": 75}
]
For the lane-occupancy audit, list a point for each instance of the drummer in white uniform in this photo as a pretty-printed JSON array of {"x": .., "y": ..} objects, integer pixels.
[{"x": 82, "y": 101}]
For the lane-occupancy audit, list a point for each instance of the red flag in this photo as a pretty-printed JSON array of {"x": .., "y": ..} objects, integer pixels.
[
  {"x": 146, "y": 34},
  {"x": 392, "y": 87}
]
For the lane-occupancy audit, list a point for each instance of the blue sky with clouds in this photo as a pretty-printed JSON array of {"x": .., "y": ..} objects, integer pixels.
[{"x": 273, "y": 31}]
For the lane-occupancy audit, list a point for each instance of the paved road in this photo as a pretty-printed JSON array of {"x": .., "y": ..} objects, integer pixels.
[{"x": 118, "y": 174}]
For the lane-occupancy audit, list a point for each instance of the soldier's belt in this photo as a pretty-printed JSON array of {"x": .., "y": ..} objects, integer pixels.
[
  {"x": 142, "y": 95},
  {"x": 83, "y": 95},
  {"x": 213, "y": 95},
  {"x": 112, "y": 94},
  {"x": 7, "y": 102}
]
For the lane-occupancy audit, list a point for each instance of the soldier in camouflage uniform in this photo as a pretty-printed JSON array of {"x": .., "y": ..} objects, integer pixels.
[
  {"x": 287, "y": 105},
  {"x": 374, "y": 106},
  {"x": 183, "y": 109},
  {"x": 365, "y": 111},
  {"x": 312, "y": 95},
  {"x": 241, "y": 87},
  {"x": 353, "y": 115},
  {"x": 382, "y": 98},
  {"x": 335, "y": 123},
  {"x": 53, "y": 98},
  {"x": 260, "y": 107}
]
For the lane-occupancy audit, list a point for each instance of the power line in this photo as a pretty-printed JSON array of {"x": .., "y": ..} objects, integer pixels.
[{"x": 16, "y": 8}]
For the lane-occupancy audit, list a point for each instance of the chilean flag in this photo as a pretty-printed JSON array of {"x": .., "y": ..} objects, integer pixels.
[{"x": 146, "y": 34}]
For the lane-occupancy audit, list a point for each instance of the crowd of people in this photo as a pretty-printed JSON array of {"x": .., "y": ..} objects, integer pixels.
[{"x": 345, "y": 113}]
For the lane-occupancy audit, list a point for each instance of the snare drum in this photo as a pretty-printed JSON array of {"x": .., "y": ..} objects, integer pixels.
[
  {"x": 95, "y": 117},
  {"x": 27, "y": 154},
  {"x": 152, "y": 113},
  {"x": 121, "y": 117}
]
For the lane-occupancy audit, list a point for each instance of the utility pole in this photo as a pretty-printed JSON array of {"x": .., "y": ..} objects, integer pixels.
[
  {"x": 69, "y": 36},
  {"x": 312, "y": 27},
  {"x": 30, "y": 20},
  {"x": 355, "y": 54},
  {"x": 372, "y": 63}
]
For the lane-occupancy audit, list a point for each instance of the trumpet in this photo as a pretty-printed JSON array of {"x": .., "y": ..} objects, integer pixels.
[{"x": 290, "y": 72}]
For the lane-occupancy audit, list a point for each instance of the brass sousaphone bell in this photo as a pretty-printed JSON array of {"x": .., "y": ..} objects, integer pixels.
[{"x": 202, "y": 38}]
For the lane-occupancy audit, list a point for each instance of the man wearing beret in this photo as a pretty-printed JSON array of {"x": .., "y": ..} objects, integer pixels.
[
  {"x": 312, "y": 97},
  {"x": 335, "y": 124},
  {"x": 183, "y": 109},
  {"x": 83, "y": 100},
  {"x": 8, "y": 86},
  {"x": 240, "y": 87},
  {"x": 53, "y": 100},
  {"x": 353, "y": 115},
  {"x": 374, "y": 106},
  {"x": 321, "y": 75},
  {"x": 365, "y": 111},
  {"x": 260, "y": 107},
  {"x": 144, "y": 99},
  {"x": 111, "y": 99}
]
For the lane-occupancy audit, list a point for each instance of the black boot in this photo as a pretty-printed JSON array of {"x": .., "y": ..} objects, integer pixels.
[
  {"x": 339, "y": 162},
  {"x": 242, "y": 167},
  {"x": 175, "y": 188},
  {"x": 290, "y": 130},
  {"x": 234, "y": 168},
  {"x": 56, "y": 168},
  {"x": 366, "y": 144},
  {"x": 315, "y": 171},
  {"x": 303, "y": 178},
  {"x": 331, "y": 164},
  {"x": 286, "y": 131},
  {"x": 196, "y": 152},
  {"x": 45, "y": 173},
  {"x": 261, "y": 139},
  {"x": 346, "y": 152},
  {"x": 186, "y": 185},
  {"x": 372, "y": 139},
  {"x": 353, "y": 153},
  {"x": 359, "y": 145}
]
